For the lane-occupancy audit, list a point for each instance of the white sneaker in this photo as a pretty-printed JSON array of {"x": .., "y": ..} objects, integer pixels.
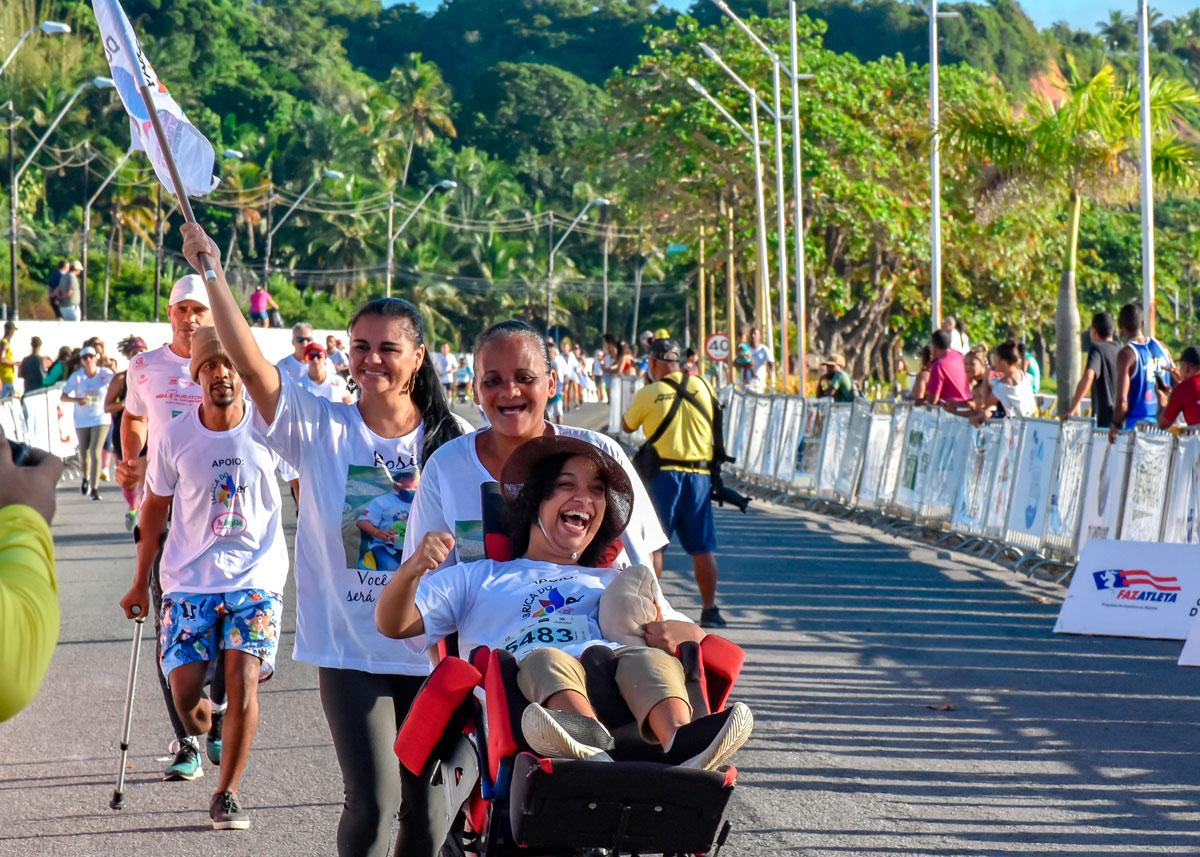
[{"x": 563, "y": 735}]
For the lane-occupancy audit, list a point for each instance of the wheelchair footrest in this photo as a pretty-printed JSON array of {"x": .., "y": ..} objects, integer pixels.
[{"x": 624, "y": 806}]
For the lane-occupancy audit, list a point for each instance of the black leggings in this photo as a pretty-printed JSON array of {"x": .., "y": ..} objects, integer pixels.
[{"x": 364, "y": 711}]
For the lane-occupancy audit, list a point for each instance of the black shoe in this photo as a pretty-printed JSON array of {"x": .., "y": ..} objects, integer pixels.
[
  {"x": 226, "y": 814},
  {"x": 212, "y": 744},
  {"x": 711, "y": 741},
  {"x": 710, "y": 617},
  {"x": 95, "y": 493},
  {"x": 83, "y": 487}
]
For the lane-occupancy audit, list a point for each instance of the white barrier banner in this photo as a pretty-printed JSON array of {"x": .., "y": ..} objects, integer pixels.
[
  {"x": 970, "y": 510},
  {"x": 1132, "y": 589},
  {"x": 1190, "y": 656},
  {"x": 914, "y": 462},
  {"x": 874, "y": 463},
  {"x": 812, "y": 439},
  {"x": 1066, "y": 487},
  {"x": 895, "y": 453},
  {"x": 793, "y": 424},
  {"x": 1181, "y": 523},
  {"x": 616, "y": 405},
  {"x": 947, "y": 464},
  {"x": 758, "y": 411},
  {"x": 1003, "y": 478},
  {"x": 740, "y": 415},
  {"x": 774, "y": 442},
  {"x": 846, "y": 484},
  {"x": 1146, "y": 489},
  {"x": 12, "y": 419},
  {"x": 833, "y": 449},
  {"x": 1104, "y": 488},
  {"x": 1027, "y": 509}
]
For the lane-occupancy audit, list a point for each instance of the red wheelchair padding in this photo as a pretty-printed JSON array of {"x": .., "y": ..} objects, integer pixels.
[
  {"x": 722, "y": 664},
  {"x": 433, "y": 711},
  {"x": 504, "y": 707}
]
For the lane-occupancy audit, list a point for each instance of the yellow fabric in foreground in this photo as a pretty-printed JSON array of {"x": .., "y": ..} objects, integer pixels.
[
  {"x": 689, "y": 435},
  {"x": 29, "y": 611}
]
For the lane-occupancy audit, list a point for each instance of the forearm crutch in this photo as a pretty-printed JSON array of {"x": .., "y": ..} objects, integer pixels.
[{"x": 118, "y": 798}]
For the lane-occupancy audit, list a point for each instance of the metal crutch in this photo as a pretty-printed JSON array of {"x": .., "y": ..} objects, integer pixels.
[{"x": 118, "y": 798}]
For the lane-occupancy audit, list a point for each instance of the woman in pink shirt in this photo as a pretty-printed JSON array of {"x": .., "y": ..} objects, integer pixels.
[{"x": 260, "y": 301}]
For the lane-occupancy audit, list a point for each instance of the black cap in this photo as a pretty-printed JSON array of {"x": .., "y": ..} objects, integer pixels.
[{"x": 666, "y": 350}]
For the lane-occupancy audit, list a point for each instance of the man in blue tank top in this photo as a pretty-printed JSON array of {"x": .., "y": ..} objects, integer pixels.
[{"x": 1144, "y": 374}]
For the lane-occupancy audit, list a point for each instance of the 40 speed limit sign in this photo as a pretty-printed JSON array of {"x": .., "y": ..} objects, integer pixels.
[{"x": 717, "y": 347}]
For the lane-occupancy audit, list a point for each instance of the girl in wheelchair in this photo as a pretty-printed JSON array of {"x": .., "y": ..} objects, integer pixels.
[{"x": 567, "y": 501}]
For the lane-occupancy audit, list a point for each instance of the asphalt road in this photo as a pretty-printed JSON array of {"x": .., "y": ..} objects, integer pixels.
[{"x": 908, "y": 702}]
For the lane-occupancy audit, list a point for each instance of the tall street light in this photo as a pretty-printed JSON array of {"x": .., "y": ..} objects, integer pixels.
[
  {"x": 778, "y": 68},
  {"x": 325, "y": 174},
  {"x": 759, "y": 202},
  {"x": 1148, "y": 297},
  {"x": 15, "y": 179},
  {"x": 601, "y": 201},
  {"x": 48, "y": 28},
  {"x": 87, "y": 229},
  {"x": 446, "y": 185},
  {"x": 935, "y": 169}
]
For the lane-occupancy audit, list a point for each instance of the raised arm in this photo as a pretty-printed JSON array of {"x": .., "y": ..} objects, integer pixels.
[
  {"x": 258, "y": 374},
  {"x": 396, "y": 614}
]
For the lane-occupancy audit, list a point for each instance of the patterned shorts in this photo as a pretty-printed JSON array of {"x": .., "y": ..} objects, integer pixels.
[{"x": 196, "y": 626}]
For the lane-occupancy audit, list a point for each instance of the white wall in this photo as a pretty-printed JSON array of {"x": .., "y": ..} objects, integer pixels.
[{"x": 275, "y": 343}]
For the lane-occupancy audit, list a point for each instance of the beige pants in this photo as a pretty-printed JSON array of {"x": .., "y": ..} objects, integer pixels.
[{"x": 645, "y": 677}]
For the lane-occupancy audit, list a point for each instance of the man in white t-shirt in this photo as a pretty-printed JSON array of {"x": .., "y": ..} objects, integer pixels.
[
  {"x": 762, "y": 363},
  {"x": 339, "y": 360},
  {"x": 554, "y": 407},
  {"x": 223, "y": 564},
  {"x": 958, "y": 340},
  {"x": 444, "y": 363},
  {"x": 319, "y": 381},
  {"x": 159, "y": 387},
  {"x": 293, "y": 364}
]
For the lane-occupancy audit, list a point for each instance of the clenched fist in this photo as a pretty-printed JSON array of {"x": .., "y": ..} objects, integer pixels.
[{"x": 430, "y": 553}]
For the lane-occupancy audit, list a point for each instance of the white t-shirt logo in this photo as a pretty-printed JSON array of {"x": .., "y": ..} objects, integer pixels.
[{"x": 226, "y": 494}]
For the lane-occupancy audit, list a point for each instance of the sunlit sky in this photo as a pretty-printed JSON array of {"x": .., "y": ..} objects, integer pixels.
[{"x": 1082, "y": 14}]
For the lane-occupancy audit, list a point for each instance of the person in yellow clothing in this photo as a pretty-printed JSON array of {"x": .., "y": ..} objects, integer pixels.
[
  {"x": 29, "y": 611},
  {"x": 681, "y": 432},
  {"x": 8, "y": 362}
]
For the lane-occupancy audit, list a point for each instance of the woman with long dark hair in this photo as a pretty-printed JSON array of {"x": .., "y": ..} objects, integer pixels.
[
  {"x": 566, "y": 501},
  {"x": 348, "y": 456}
]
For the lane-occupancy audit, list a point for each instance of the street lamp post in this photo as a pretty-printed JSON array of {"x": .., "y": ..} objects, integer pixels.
[
  {"x": 601, "y": 201},
  {"x": 446, "y": 185},
  {"x": 759, "y": 203},
  {"x": 935, "y": 169},
  {"x": 1148, "y": 298},
  {"x": 325, "y": 174},
  {"x": 15, "y": 174},
  {"x": 87, "y": 229},
  {"x": 49, "y": 28}
]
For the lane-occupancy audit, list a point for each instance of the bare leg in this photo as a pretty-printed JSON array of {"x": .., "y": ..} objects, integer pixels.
[
  {"x": 187, "y": 684},
  {"x": 572, "y": 701},
  {"x": 241, "y": 718},
  {"x": 665, "y": 719},
  {"x": 704, "y": 567},
  {"x": 658, "y": 563}
]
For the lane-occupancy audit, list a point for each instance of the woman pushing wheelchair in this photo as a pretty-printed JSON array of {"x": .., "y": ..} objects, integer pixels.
[{"x": 566, "y": 502}]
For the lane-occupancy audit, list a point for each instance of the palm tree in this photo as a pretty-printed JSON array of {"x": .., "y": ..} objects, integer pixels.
[
  {"x": 1085, "y": 146},
  {"x": 425, "y": 102},
  {"x": 1119, "y": 31}
]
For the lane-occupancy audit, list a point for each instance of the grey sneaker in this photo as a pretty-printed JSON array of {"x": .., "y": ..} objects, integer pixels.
[
  {"x": 226, "y": 814},
  {"x": 563, "y": 735}
]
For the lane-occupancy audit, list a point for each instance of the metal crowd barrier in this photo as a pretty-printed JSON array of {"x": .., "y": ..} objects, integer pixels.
[
  {"x": 1033, "y": 490},
  {"x": 42, "y": 420}
]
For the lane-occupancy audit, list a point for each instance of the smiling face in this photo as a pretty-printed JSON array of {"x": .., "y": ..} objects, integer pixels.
[
  {"x": 220, "y": 383},
  {"x": 384, "y": 355},
  {"x": 512, "y": 385},
  {"x": 570, "y": 517}
]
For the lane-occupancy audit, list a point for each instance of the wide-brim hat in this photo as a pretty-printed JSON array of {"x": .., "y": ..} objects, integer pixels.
[
  {"x": 834, "y": 360},
  {"x": 531, "y": 455}
]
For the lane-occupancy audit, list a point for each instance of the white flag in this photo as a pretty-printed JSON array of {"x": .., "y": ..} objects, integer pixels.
[{"x": 194, "y": 155}]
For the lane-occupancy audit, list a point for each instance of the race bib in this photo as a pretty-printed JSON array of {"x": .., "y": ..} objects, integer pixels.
[{"x": 557, "y": 631}]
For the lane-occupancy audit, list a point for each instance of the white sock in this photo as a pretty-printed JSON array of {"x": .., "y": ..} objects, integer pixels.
[{"x": 219, "y": 709}]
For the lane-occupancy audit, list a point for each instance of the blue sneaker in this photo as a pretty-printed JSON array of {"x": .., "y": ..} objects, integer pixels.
[
  {"x": 212, "y": 742},
  {"x": 187, "y": 761}
]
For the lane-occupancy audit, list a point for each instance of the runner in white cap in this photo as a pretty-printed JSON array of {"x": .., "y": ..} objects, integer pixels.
[{"x": 159, "y": 388}]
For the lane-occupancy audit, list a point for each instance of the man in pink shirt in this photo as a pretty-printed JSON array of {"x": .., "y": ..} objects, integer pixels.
[{"x": 948, "y": 384}]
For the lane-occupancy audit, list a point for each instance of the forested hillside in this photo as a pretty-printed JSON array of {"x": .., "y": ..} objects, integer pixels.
[{"x": 536, "y": 107}]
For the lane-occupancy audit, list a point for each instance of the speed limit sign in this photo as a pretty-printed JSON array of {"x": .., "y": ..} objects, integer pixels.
[{"x": 717, "y": 347}]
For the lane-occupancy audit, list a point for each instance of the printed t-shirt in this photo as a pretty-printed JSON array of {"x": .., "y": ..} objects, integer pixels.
[
  {"x": 388, "y": 512},
  {"x": 1151, "y": 366},
  {"x": 332, "y": 388},
  {"x": 159, "y": 386},
  {"x": 760, "y": 359},
  {"x": 519, "y": 605},
  {"x": 688, "y": 437},
  {"x": 343, "y": 466},
  {"x": 295, "y": 369},
  {"x": 948, "y": 380},
  {"x": 1102, "y": 360},
  {"x": 1185, "y": 399},
  {"x": 227, "y": 530},
  {"x": 448, "y": 501},
  {"x": 94, "y": 389}
]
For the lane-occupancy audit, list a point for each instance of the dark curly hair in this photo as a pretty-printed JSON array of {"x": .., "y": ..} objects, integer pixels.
[{"x": 521, "y": 513}]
